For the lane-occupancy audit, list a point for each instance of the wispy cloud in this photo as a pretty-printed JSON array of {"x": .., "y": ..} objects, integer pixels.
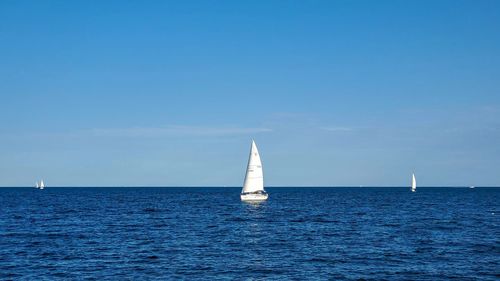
[
  {"x": 171, "y": 131},
  {"x": 477, "y": 130},
  {"x": 337, "y": 129}
]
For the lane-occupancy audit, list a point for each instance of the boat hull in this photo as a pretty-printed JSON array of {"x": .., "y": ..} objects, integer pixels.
[{"x": 254, "y": 196}]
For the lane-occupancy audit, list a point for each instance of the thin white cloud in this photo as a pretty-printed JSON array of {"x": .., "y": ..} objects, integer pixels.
[
  {"x": 144, "y": 132},
  {"x": 170, "y": 131},
  {"x": 462, "y": 130},
  {"x": 337, "y": 129}
]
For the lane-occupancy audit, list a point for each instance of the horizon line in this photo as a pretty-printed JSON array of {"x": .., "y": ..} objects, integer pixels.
[{"x": 227, "y": 186}]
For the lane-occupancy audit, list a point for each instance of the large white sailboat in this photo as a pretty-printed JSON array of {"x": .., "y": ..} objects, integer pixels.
[
  {"x": 253, "y": 187},
  {"x": 413, "y": 183},
  {"x": 42, "y": 186}
]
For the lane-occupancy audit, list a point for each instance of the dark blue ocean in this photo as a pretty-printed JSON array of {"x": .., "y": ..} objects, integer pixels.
[{"x": 208, "y": 233}]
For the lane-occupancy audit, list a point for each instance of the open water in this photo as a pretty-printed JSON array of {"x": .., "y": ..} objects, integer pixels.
[{"x": 208, "y": 233}]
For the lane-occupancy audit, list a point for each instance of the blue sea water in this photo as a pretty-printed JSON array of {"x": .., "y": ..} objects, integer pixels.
[{"x": 208, "y": 233}]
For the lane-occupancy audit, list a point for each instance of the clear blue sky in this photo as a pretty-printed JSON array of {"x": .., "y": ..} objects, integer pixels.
[{"x": 171, "y": 93}]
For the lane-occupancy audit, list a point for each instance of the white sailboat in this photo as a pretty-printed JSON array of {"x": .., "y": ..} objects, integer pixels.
[
  {"x": 413, "y": 183},
  {"x": 42, "y": 186},
  {"x": 253, "y": 187},
  {"x": 36, "y": 185}
]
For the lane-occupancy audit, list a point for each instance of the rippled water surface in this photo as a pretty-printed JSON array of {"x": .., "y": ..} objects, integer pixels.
[{"x": 208, "y": 233}]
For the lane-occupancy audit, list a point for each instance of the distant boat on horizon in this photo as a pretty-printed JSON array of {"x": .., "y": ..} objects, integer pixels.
[
  {"x": 253, "y": 186},
  {"x": 39, "y": 186},
  {"x": 471, "y": 186},
  {"x": 413, "y": 183}
]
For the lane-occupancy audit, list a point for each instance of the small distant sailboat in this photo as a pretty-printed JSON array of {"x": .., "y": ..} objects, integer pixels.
[
  {"x": 413, "y": 183},
  {"x": 253, "y": 187},
  {"x": 471, "y": 186},
  {"x": 40, "y": 185}
]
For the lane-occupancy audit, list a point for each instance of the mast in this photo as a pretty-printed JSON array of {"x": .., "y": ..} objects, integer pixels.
[{"x": 254, "y": 177}]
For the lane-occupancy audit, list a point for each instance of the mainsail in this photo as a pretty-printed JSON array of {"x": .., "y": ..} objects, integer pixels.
[
  {"x": 413, "y": 183},
  {"x": 254, "y": 178}
]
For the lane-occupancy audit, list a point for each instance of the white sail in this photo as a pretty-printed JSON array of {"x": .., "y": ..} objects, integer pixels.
[
  {"x": 413, "y": 183},
  {"x": 41, "y": 184},
  {"x": 254, "y": 178},
  {"x": 36, "y": 184}
]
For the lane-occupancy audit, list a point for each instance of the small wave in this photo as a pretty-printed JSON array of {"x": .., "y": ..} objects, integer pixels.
[
  {"x": 321, "y": 260},
  {"x": 391, "y": 224},
  {"x": 203, "y": 267},
  {"x": 485, "y": 248},
  {"x": 322, "y": 220},
  {"x": 68, "y": 211},
  {"x": 10, "y": 276},
  {"x": 421, "y": 250},
  {"x": 236, "y": 219}
]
